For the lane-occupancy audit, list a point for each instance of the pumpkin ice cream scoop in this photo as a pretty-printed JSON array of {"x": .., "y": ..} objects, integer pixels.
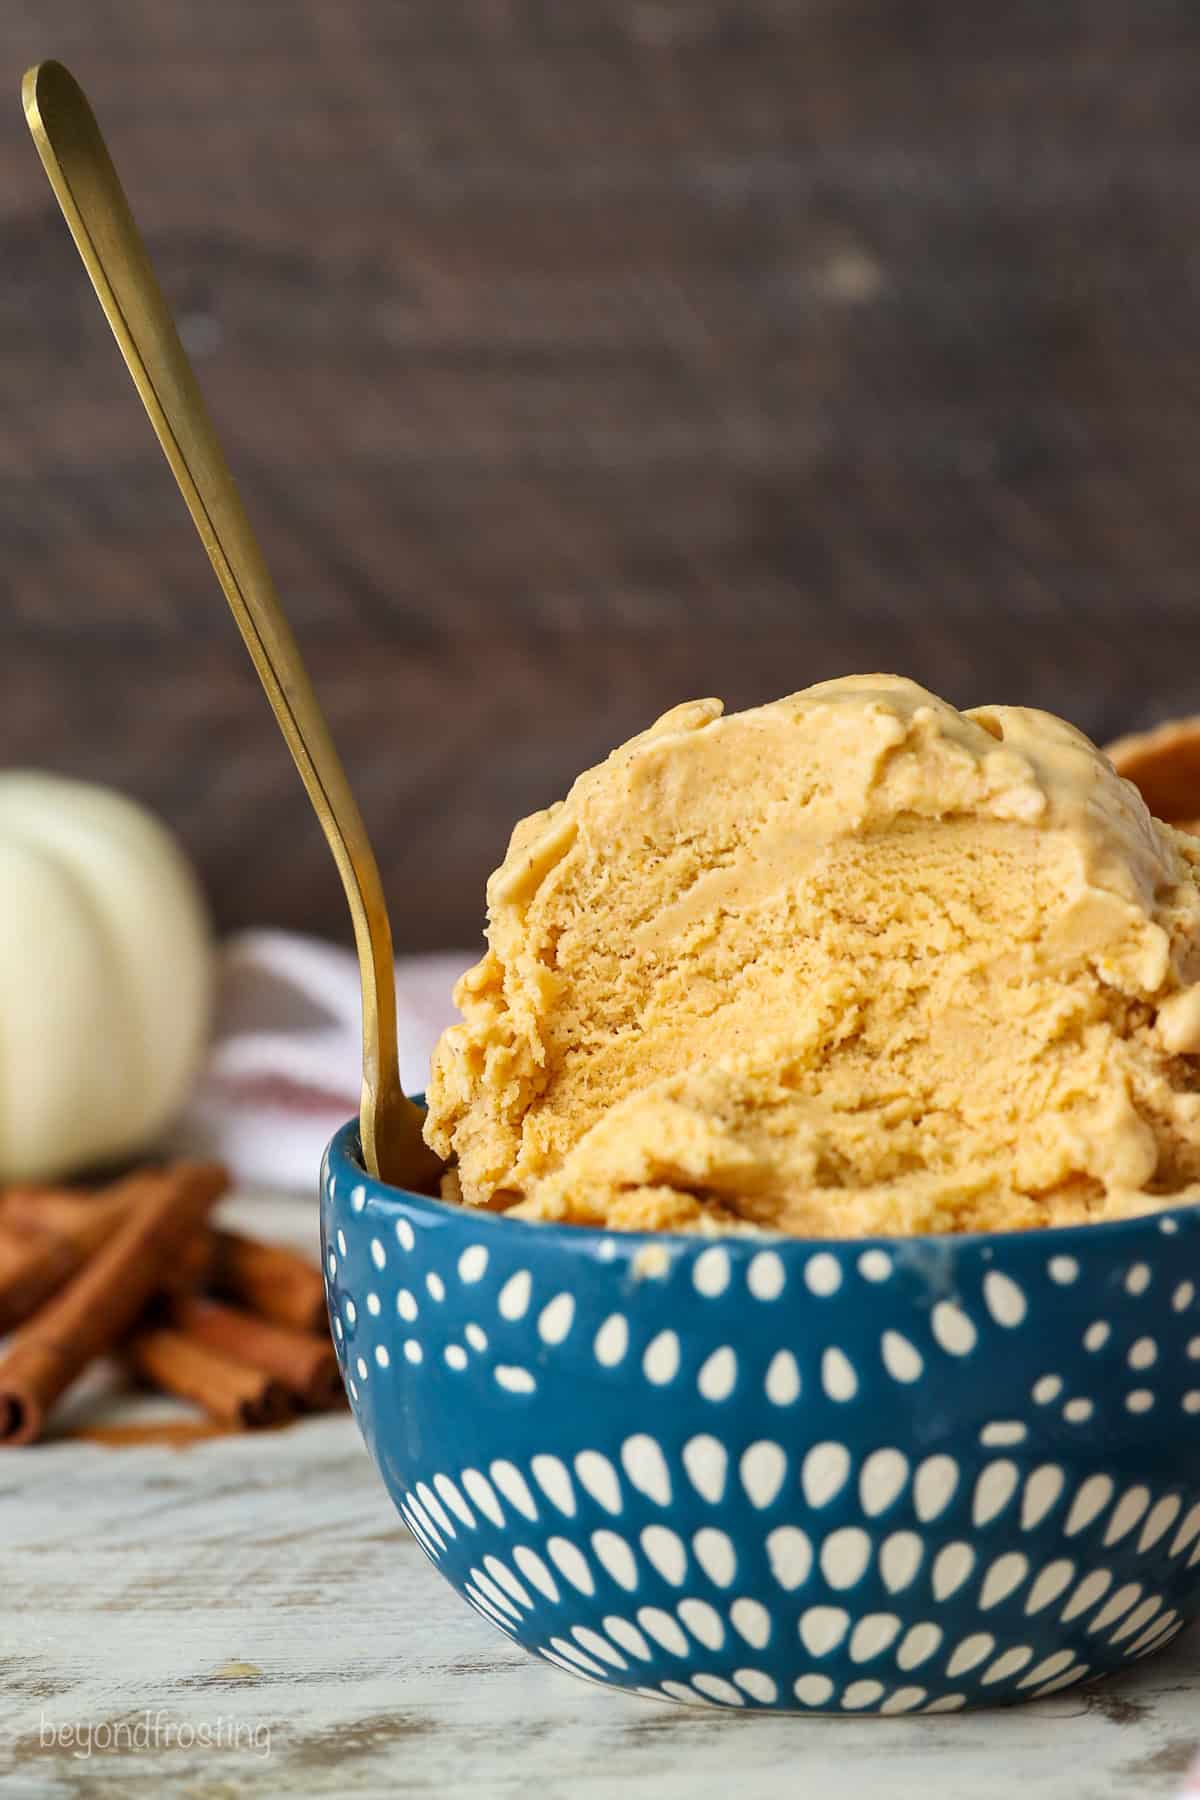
[{"x": 852, "y": 962}]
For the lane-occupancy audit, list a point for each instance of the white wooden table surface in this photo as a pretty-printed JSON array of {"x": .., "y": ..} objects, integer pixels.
[{"x": 248, "y": 1617}]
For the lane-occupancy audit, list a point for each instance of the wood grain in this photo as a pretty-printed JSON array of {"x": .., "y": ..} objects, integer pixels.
[
  {"x": 576, "y": 361},
  {"x": 263, "y": 1589},
  {"x": 263, "y": 1586}
]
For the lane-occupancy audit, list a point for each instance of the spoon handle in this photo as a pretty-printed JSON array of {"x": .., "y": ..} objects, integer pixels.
[{"x": 89, "y": 192}]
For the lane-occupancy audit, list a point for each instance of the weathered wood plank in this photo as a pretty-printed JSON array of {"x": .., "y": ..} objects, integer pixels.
[
  {"x": 576, "y": 361},
  {"x": 263, "y": 1589},
  {"x": 264, "y": 1586}
]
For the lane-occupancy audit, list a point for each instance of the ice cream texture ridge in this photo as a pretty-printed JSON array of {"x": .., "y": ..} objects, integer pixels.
[{"x": 850, "y": 963}]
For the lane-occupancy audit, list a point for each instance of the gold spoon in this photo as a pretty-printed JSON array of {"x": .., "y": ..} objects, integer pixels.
[{"x": 87, "y": 188}]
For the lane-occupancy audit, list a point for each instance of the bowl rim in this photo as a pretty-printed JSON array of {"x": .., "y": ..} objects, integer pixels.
[{"x": 343, "y": 1157}]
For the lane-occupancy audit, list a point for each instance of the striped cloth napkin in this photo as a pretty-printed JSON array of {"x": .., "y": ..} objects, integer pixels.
[{"x": 283, "y": 1071}]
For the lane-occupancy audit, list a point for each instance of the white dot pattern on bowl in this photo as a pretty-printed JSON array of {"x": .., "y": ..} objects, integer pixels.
[
  {"x": 758, "y": 1685},
  {"x": 718, "y": 1374},
  {"x": 1005, "y": 1299},
  {"x": 874, "y": 1634},
  {"x": 883, "y": 1479},
  {"x": 861, "y": 1546},
  {"x": 553, "y": 1478},
  {"x": 1002, "y": 1432},
  {"x": 660, "y": 1364},
  {"x": 535, "y": 1572},
  {"x": 614, "y": 1554},
  {"x": 472, "y": 1264},
  {"x": 598, "y": 1477},
  {"x": 516, "y": 1379},
  {"x": 1042, "y": 1492},
  {"x": 824, "y": 1472},
  {"x": 623, "y": 1632},
  {"x": 556, "y": 1318},
  {"x": 822, "y": 1629},
  {"x": 837, "y": 1374},
  {"x": 765, "y": 1276},
  {"x": 1003, "y": 1578},
  {"x": 934, "y": 1486},
  {"x": 900, "y": 1559},
  {"x": 823, "y": 1274},
  {"x": 994, "y": 1490},
  {"x": 782, "y": 1383},
  {"x": 862, "y": 1693},
  {"x": 612, "y": 1340},
  {"x": 845, "y": 1557},
  {"x": 751, "y": 1620},
  {"x": 953, "y": 1329},
  {"x": 952, "y": 1567},
  {"x": 513, "y": 1302},
  {"x": 1128, "y": 1513},
  {"x": 920, "y": 1642},
  {"x": 711, "y": 1271},
  {"x": 646, "y": 1467},
  {"x": 762, "y": 1470},
  {"x": 716, "y": 1555},
  {"x": 706, "y": 1461},
  {"x": 790, "y": 1555},
  {"x": 664, "y": 1550},
  {"x": 901, "y": 1359}
]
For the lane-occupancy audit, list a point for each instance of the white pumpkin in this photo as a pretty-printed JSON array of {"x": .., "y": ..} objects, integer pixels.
[{"x": 106, "y": 976}]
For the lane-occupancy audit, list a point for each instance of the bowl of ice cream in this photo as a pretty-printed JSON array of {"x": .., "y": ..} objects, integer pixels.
[
  {"x": 810, "y": 1318},
  {"x": 866, "y": 1476}
]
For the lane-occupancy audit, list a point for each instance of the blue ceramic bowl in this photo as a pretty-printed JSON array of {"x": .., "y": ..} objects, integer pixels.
[{"x": 907, "y": 1475}]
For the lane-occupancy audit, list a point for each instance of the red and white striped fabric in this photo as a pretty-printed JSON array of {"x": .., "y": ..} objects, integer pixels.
[{"x": 283, "y": 1072}]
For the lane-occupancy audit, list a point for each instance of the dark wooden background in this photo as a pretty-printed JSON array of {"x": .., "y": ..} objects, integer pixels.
[{"x": 580, "y": 358}]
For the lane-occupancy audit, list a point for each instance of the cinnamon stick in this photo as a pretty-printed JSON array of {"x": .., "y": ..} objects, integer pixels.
[
  {"x": 280, "y": 1284},
  {"x": 303, "y": 1362},
  {"x": 42, "y": 1247},
  {"x": 69, "y": 1212},
  {"x": 101, "y": 1301},
  {"x": 33, "y": 1265},
  {"x": 228, "y": 1390},
  {"x": 46, "y": 1234},
  {"x": 192, "y": 1267}
]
